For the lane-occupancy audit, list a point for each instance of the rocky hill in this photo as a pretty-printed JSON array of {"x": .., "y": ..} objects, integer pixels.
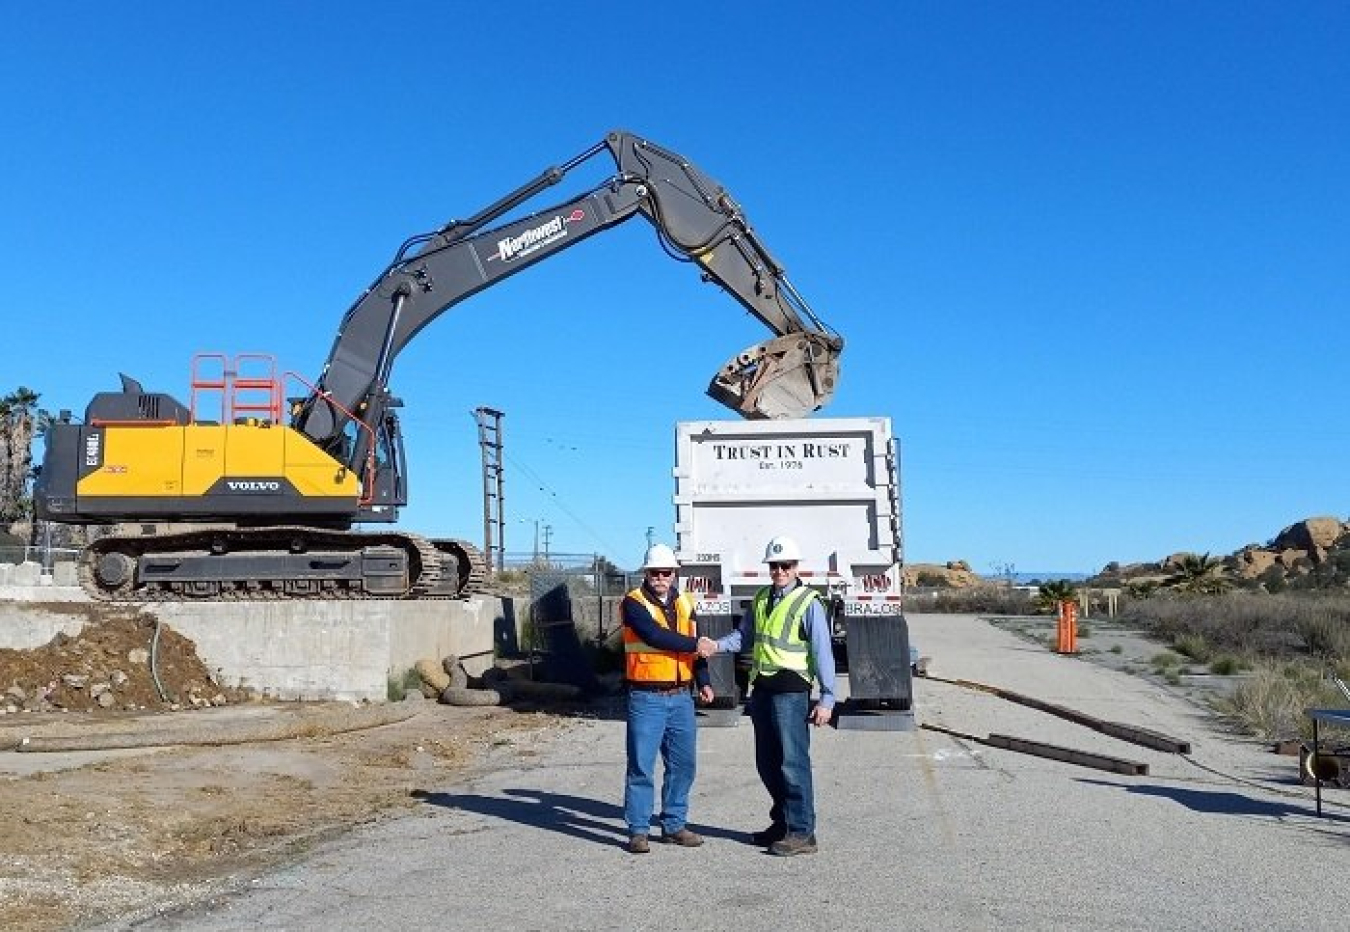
[
  {"x": 1310, "y": 554},
  {"x": 954, "y": 574}
]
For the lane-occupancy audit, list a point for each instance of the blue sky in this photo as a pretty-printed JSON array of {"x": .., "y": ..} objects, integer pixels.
[{"x": 1092, "y": 259}]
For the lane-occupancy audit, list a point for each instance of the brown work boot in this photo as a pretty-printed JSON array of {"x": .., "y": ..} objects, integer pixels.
[
  {"x": 638, "y": 845},
  {"x": 794, "y": 844},
  {"x": 683, "y": 837}
]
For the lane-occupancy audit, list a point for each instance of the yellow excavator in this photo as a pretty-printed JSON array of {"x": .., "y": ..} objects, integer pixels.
[{"x": 264, "y": 502}]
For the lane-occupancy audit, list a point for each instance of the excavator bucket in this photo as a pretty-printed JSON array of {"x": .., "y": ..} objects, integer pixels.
[{"x": 786, "y": 377}]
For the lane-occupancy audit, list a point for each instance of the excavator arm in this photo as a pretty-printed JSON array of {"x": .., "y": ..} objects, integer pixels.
[{"x": 789, "y": 375}]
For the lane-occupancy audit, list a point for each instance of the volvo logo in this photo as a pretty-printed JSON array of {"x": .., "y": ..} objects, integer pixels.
[{"x": 253, "y": 485}]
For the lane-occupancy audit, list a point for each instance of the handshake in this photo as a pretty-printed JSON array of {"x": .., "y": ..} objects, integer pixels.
[{"x": 706, "y": 647}]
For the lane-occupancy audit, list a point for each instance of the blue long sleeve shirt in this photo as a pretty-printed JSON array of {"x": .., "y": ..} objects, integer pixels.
[
  {"x": 636, "y": 616},
  {"x": 816, "y": 632}
]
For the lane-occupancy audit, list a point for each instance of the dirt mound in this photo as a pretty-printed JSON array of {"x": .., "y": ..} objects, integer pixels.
[{"x": 117, "y": 662}]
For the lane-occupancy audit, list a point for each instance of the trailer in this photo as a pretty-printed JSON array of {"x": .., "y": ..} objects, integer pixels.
[{"x": 832, "y": 484}]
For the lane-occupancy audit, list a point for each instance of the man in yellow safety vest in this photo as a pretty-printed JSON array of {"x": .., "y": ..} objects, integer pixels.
[{"x": 790, "y": 648}]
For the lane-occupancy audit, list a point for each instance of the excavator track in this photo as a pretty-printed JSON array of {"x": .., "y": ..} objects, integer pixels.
[
  {"x": 464, "y": 569},
  {"x": 263, "y": 564}
]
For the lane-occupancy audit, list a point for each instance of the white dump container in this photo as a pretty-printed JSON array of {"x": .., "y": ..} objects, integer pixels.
[{"x": 830, "y": 483}]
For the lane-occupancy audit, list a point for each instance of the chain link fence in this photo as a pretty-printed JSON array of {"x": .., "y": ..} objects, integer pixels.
[
  {"x": 584, "y": 589},
  {"x": 46, "y": 557},
  {"x": 572, "y": 604}
]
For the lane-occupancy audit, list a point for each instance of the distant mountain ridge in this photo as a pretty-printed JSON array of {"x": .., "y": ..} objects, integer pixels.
[{"x": 1023, "y": 579}]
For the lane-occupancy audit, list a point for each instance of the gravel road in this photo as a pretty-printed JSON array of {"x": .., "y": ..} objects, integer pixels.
[{"x": 917, "y": 829}]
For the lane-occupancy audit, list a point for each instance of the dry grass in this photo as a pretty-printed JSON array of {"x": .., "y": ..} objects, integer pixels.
[
  {"x": 1272, "y": 702},
  {"x": 1290, "y": 642},
  {"x": 1278, "y": 626}
]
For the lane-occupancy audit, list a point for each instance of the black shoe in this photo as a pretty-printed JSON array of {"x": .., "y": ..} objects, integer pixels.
[
  {"x": 794, "y": 844},
  {"x": 769, "y": 835}
]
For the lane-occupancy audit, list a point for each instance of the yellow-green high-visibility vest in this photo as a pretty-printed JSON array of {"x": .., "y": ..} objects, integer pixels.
[{"x": 778, "y": 640}]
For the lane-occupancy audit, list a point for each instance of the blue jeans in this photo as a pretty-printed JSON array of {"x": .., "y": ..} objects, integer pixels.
[
  {"x": 665, "y": 724},
  {"x": 783, "y": 757}
]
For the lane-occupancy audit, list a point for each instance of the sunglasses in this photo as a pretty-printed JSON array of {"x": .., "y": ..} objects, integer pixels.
[
  {"x": 660, "y": 572},
  {"x": 783, "y": 567}
]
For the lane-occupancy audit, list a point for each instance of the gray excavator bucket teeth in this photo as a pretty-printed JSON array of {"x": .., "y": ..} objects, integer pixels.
[{"x": 786, "y": 377}]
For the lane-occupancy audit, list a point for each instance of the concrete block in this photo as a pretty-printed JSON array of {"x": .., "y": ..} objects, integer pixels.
[
  {"x": 6, "y": 574},
  {"x": 42, "y": 594},
  {"x": 330, "y": 650},
  {"x": 291, "y": 650},
  {"x": 65, "y": 574},
  {"x": 25, "y": 627},
  {"x": 26, "y": 574}
]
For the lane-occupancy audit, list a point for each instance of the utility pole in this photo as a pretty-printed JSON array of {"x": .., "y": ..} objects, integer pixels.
[
  {"x": 494, "y": 529},
  {"x": 548, "y": 535},
  {"x": 650, "y": 530}
]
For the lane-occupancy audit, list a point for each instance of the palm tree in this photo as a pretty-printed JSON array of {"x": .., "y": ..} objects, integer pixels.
[
  {"x": 1049, "y": 595},
  {"x": 1198, "y": 575},
  {"x": 17, "y": 426}
]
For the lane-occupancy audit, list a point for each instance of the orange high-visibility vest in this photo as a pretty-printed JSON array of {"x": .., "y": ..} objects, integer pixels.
[{"x": 649, "y": 665}]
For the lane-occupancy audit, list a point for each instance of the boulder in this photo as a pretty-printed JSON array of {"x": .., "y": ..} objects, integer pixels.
[
  {"x": 1311, "y": 535},
  {"x": 1251, "y": 562},
  {"x": 1172, "y": 563},
  {"x": 948, "y": 576},
  {"x": 1290, "y": 557}
]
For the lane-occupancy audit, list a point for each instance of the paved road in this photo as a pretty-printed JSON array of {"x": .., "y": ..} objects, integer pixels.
[{"x": 917, "y": 829}]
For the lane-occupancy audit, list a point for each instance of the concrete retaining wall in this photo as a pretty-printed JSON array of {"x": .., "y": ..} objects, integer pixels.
[
  {"x": 24, "y": 625},
  {"x": 304, "y": 650}
]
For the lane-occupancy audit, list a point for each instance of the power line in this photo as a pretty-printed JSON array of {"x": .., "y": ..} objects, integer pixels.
[{"x": 545, "y": 488}]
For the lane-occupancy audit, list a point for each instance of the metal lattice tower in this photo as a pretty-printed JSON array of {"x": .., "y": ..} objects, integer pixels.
[{"x": 490, "y": 442}]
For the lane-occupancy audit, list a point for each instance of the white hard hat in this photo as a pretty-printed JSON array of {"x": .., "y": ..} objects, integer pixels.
[
  {"x": 782, "y": 549},
  {"x": 660, "y": 557}
]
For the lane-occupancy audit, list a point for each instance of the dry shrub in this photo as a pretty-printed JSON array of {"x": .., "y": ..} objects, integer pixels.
[
  {"x": 1273, "y": 701},
  {"x": 1274, "y": 626},
  {"x": 976, "y": 600}
]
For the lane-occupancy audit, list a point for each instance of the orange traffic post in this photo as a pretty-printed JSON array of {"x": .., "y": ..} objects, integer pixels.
[{"x": 1066, "y": 634}]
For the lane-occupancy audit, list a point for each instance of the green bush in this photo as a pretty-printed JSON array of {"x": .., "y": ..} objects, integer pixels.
[
  {"x": 1193, "y": 646},
  {"x": 1165, "y": 661},
  {"x": 398, "y": 687}
]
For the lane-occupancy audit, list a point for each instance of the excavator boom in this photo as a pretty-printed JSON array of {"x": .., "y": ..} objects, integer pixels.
[{"x": 696, "y": 220}]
